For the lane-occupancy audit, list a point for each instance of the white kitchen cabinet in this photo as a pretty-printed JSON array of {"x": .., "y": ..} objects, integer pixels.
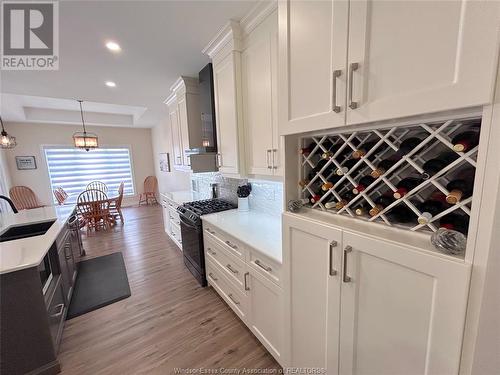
[
  {"x": 259, "y": 94},
  {"x": 404, "y": 59},
  {"x": 312, "y": 61},
  {"x": 266, "y": 312},
  {"x": 400, "y": 310},
  {"x": 313, "y": 288},
  {"x": 175, "y": 130}
]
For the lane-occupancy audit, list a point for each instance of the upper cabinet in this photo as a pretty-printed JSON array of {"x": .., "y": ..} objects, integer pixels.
[
  {"x": 404, "y": 59},
  {"x": 259, "y": 95}
]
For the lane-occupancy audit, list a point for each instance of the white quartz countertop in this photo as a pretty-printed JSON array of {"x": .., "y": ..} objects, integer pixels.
[
  {"x": 29, "y": 252},
  {"x": 258, "y": 230},
  {"x": 179, "y": 197}
]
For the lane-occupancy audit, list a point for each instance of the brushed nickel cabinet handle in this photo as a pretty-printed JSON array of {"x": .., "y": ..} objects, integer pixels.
[
  {"x": 232, "y": 299},
  {"x": 231, "y": 245},
  {"x": 210, "y": 251},
  {"x": 246, "y": 281},
  {"x": 228, "y": 266},
  {"x": 352, "y": 68},
  {"x": 345, "y": 278},
  {"x": 336, "y": 74},
  {"x": 210, "y": 231},
  {"x": 212, "y": 276},
  {"x": 59, "y": 307},
  {"x": 268, "y": 158},
  {"x": 333, "y": 271},
  {"x": 274, "y": 155},
  {"x": 263, "y": 266},
  {"x": 219, "y": 160}
]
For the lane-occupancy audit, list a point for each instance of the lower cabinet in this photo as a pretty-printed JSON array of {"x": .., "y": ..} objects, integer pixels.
[
  {"x": 56, "y": 311},
  {"x": 359, "y": 305},
  {"x": 171, "y": 220},
  {"x": 67, "y": 266}
]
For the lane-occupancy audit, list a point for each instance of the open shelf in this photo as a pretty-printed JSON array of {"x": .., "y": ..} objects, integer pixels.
[{"x": 325, "y": 156}]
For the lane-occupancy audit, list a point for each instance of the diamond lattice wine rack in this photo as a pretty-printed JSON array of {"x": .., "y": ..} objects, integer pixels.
[{"x": 419, "y": 177}]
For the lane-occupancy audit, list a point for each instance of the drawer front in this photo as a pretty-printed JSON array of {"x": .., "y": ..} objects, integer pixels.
[
  {"x": 56, "y": 312},
  {"x": 234, "y": 298},
  {"x": 173, "y": 215},
  {"x": 230, "y": 265},
  {"x": 175, "y": 231},
  {"x": 265, "y": 266},
  {"x": 231, "y": 244}
]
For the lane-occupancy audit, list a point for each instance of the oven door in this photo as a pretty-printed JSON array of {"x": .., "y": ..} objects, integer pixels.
[{"x": 192, "y": 245}]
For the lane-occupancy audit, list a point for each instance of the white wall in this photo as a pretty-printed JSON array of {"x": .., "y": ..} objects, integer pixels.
[
  {"x": 31, "y": 137},
  {"x": 162, "y": 142},
  {"x": 4, "y": 180}
]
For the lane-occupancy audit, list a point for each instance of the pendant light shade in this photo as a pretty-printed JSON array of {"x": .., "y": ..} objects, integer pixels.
[
  {"x": 6, "y": 141},
  {"x": 84, "y": 140}
]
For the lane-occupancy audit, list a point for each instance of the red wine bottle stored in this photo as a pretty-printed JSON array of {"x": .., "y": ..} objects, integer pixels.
[
  {"x": 316, "y": 196},
  {"x": 409, "y": 144},
  {"x": 405, "y": 185},
  {"x": 380, "y": 203},
  {"x": 461, "y": 187},
  {"x": 383, "y": 167},
  {"x": 345, "y": 198},
  {"x": 466, "y": 140},
  {"x": 363, "y": 150},
  {"x": 346, "y": 167},
  {"x": 433, "y": 166},
  {"x": 363, "y": 183},
  {"x": 456, "y": 222},
  {"x": 429, "y": 209},
  {"x": 401, "y": 214},
  {"x": 319, "y": 166},
  {"x": 308, "y": 149}
]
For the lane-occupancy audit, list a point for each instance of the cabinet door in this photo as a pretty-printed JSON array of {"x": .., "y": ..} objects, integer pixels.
[
  {"x": 182, "y": 113},
  {"x": 226, "y": 106},
  {"x": 176, "y": 138},
  {"x": 266, "y": 313},
  {"x": 402, "y": 311},
  {"x": 257, "y": 100},
  {"x": 421, "y": 56},
  {"x": 313, "y": 45},
  {"x": 312, "y": 260},
  {"x": 65, "y": 273}
]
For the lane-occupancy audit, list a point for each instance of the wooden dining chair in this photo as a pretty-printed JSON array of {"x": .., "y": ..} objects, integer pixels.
[
  {"x": 98, "y": 185},
  {"x": 93, "y": 207},
  {"x": 60, "y": 195},
  {"x": 150, "y": 186},
  {"x": 115, "y": 206},
  {"x": 24, "y": 198}
]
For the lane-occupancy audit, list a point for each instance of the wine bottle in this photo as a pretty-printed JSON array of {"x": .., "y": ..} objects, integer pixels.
[
  {"x": 461, "y": 187},
  {"x": 363, "y": 183},
  {"x": 316, "y": 196},
  {"x": 330, "y": 183},
  {"x": 380, "y": 203},
  {"x": 429, "y": 209},
  {"x": 433, "y": 166},
  {"x": 345, "y": 198},
  {"x": 308, "y": 149},
  {"x": 456, "y": 222},
  {"x": 363, "y": 149},
  {"x": 405, "y": 185},
  {"x": 361, "y": 210},
  {"x": 341, "y": 156},
  {"x": 409, "y": 144},
  {"x": 383, "y": 167},
  {"x": 346, "y": 167},
  {"x": 401, "y": 214},
  {"x": 319, "y": 166},
  {"x": 466, "y": 140}
]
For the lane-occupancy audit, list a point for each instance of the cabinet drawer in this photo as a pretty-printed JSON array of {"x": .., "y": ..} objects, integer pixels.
[
  {"x": 175, "y": 231},
  {"x": 229, "y": 243},
  {"x": 56, "y": 312},
  {"x": 173, "y": 215},
  {"x": 230, "y": 265},
  {"x": 265, "y": 266},
  {"x": 234, "y": 298}
]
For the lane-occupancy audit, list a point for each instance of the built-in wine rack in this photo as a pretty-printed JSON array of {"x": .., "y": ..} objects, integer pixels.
[{"x": 326, "y": 181}]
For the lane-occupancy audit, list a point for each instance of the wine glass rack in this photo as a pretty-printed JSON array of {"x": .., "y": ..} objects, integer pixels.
[{"x": 434, "y": 139}]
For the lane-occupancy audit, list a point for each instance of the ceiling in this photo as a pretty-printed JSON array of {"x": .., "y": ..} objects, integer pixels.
[{"x": 160, "y": 41}]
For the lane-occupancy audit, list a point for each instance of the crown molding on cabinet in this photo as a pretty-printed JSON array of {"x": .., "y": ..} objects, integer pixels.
[
  {"x": 257, "y": 15},
  {"x": 170, "y": 99},
  {"x": 229, "y": 37},
  {"x": 185, "y": 85}
]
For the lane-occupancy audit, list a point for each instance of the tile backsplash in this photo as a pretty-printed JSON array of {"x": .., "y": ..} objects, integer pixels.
[{"x": 266, "y": 196}]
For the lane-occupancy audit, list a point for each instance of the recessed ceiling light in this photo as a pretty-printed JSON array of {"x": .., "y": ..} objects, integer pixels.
[
  {"x": 110, "y": 84},
  {"x": 113, "y": 46}
]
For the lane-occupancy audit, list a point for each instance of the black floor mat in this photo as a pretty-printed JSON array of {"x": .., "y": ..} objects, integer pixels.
[{"x": 101, "y": 281}]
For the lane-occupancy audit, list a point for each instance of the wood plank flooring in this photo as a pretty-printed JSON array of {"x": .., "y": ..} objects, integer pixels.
[{"x": 169, "y": 321}]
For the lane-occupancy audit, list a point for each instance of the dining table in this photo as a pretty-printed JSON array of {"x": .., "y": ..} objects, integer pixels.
[{"x": 94, "y": 206}]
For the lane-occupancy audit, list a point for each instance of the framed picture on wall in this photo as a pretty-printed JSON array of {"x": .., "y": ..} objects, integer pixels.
[
  {"x": 25, "y": 162},
  {"x": 164, "y": 162}
]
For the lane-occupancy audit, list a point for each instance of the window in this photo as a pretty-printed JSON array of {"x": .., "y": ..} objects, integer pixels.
[{"x": 72, "y": 169}]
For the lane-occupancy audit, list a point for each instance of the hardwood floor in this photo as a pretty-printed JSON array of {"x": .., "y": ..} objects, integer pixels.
[{"x": 169, "y": 321}]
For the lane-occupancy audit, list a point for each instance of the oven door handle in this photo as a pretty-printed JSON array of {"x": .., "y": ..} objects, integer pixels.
[{"x": 183, "y": 221}]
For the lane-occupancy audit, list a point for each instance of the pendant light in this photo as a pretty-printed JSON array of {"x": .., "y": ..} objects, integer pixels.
[
  {"x": 6, "y": 141},
  {"x": 84, "y": 140}
]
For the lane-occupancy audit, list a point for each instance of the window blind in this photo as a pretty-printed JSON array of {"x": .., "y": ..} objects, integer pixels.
[{"x": 72, "y": 169}]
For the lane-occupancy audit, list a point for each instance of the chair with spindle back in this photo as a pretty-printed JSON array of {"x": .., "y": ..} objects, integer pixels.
[
  {"x": 60, "y": 195},
  {"x": 98, "y": 185},
  {"x": 150, "y": 186},
  {"x": 116, "y": 205},
  {"x": 93, "y": 206},
  {"x": 24, "y": 198}
]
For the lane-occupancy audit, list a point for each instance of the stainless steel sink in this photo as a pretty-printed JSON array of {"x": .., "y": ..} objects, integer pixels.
[{"x": 24, "y": 231}]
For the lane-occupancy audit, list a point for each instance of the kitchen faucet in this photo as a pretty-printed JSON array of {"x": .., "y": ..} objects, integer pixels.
[{"x": 14, "y": 209}]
